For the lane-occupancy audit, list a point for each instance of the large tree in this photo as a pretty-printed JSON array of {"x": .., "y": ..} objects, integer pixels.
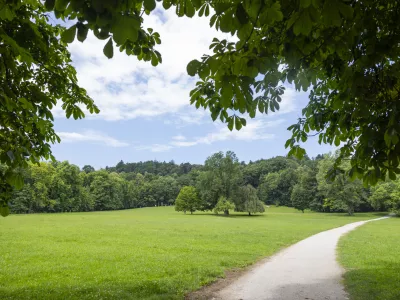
[
  {"x": 221, "y": 177},
  {"x": 344, "y": 52}
]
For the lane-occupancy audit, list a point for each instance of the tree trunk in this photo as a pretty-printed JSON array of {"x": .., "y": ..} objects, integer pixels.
[
  {"x": 184, "y": 212},
  {"x": 302, "y": 211},
  {"x": 249, "y": 213},
  {"x": 191, "y": 212},
  {"x": 226, "y": 212},
  {"x": 350, "y": 210}
]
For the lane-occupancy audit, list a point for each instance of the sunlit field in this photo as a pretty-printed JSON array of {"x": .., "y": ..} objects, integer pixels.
[
  {"x": 371, "y": 256},
  {"x": 147, "y": 253}
]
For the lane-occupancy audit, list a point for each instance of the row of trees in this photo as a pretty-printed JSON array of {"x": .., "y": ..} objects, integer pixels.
[
  {"x": 63, "y": 187},
  {"x": 221, "y": 184}
]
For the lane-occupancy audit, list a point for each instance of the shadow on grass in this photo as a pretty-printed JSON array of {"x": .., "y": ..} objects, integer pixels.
[
  {"x": 227, "y": 216},
  {"x": 377, "y": 281},
  {"x": 361, "y": 214},
  {"x": 149, "y": 290}
]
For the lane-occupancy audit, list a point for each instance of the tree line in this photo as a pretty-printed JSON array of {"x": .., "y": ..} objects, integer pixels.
[{"x": 222, "y": 184}]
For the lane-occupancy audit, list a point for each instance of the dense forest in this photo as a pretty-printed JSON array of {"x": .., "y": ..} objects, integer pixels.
[{"x": 221, "y": 184}]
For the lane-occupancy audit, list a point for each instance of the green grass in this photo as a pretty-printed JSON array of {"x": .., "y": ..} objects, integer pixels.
[
  {"x": 148, "y": 253},
  {"x": 371, "y": 256}
]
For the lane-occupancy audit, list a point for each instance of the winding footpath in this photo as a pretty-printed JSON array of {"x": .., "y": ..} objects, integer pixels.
[{"x": 306, "y": 270}]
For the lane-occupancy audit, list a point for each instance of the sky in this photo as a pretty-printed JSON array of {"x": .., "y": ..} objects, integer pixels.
[{"x": 145, "y": 111}]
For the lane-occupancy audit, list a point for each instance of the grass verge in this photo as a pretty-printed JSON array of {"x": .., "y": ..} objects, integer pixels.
[{"x": 371, "y": 256}]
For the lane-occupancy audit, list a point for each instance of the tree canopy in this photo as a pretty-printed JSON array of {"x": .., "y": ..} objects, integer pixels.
[{"x": 345, "y": 53}]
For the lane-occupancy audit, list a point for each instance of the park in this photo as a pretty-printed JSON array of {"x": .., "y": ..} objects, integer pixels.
[
  {"x": 120, "y": 121},
  {"x": 157, "y": 253}
]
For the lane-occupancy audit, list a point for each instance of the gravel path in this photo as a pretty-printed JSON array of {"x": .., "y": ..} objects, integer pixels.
[{"x": 306, "y": 270}]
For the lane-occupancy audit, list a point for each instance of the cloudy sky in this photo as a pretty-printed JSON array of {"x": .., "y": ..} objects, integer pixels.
[{"x": 145, "y": 112}]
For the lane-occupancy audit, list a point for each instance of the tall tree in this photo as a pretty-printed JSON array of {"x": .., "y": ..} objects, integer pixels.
[
  {"x": 341, "y": 194},
  {"x": 188, "y": 200},
  {"x": 222, "y": 176}
]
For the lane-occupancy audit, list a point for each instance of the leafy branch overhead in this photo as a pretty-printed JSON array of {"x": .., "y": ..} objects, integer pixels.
[{"x": 344, "y": 53}]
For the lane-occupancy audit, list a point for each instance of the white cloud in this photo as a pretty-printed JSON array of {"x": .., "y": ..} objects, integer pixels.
[
  {"x": 155, "y": 148},
  {"x": 179, "y": 138},
  {"x": 90, "y": 136},
  {"x": 255, "y": 130},
  {"x": 125, "y": 88}
]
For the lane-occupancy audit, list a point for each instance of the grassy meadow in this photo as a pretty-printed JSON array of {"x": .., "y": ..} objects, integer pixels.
[
  {"x": 147, "y": 253},
  {"x": 371, "y": 256}
]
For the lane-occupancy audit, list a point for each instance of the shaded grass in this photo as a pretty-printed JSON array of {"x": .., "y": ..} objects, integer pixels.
[
  {"x": 148, "y": 253},
  {"x": 371, "y": 256}
]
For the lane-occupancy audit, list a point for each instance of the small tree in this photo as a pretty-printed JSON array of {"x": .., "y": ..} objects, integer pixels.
[
  {"x": 224, "y": 205},
  {"x": 187, "y": 200},
  {"x": 247, "y": 200},
  {"x": 301, "y": 197}
]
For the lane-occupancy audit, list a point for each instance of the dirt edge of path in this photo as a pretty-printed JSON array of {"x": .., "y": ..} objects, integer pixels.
[{"x": 210, "y": 290}]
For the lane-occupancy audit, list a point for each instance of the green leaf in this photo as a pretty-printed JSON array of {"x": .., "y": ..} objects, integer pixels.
[
  {"x": 109, "y": 49},
  {"x": 149, "y": 4},
  {"x": 68, "y": 35},
  {"x": 126, "y": 28},
  {"x": 305, "y": 3},
  {"x": 204, "y": 71},
  {"x": 226, "y": 23},
  {"x": 303, "y": 25},
  {"x": 49, "y": 4},
  {"x": 330, "y": 14},
  {"x": 4, "y": 210},
  {"x": 82, "y": 32},
  {"x": 189, "y": 9},
  {"x": 61, "y": 5},
  {"x": 241, "y": 14},
  {"x": 238, "y": 123},
  {"x": 193, "y": 67},
  {"x": 230, "y": 123},
  {"x": 346, "y": 10}
]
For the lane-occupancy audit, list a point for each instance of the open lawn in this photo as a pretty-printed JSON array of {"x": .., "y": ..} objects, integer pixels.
[
  {"x": 147, "y": 253},
  {"x": 371, "y": 256}
]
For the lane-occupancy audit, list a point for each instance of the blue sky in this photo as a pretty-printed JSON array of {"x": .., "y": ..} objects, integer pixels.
[{"x": 145, "y": 112}]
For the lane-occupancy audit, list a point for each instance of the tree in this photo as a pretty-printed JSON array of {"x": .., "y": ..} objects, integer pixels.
[
  {"x": 268, "y": 189},
  {"x": 277, "y": 187},
  {"x": 221, "y": 177},
  {"x": 188, "y": 200},
  {"x": 341, "y": 194},
  {"x": 224, "y": 205},
  {"x": 88, "y": 169},
  {"x": 304, "y": 193},
  {"x": 247, "y": 200},
  {"x": 353, "y": 78},
  {"x": 301, "y": 197}
]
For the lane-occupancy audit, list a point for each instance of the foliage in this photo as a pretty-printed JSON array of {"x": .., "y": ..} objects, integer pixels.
[
  {"x": 345, "y": 53},
  {"x": 221, "y": 177},
  {"x": 223, "y": 205},
  {"x": 188, "y": 200},
  {"x": 62, "y": 187},
  {"x": 246, "y": 200},
  {"x": 301, "y": 197},
  {"x": 304, "y": 193},
  {"x": 371, "y": 257},
  {"x": 35, "y": 73},
  {"x": 386, "y": 196},
  {"x": 340, "y": 194},
  {"x": 277, "y": 187}
]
